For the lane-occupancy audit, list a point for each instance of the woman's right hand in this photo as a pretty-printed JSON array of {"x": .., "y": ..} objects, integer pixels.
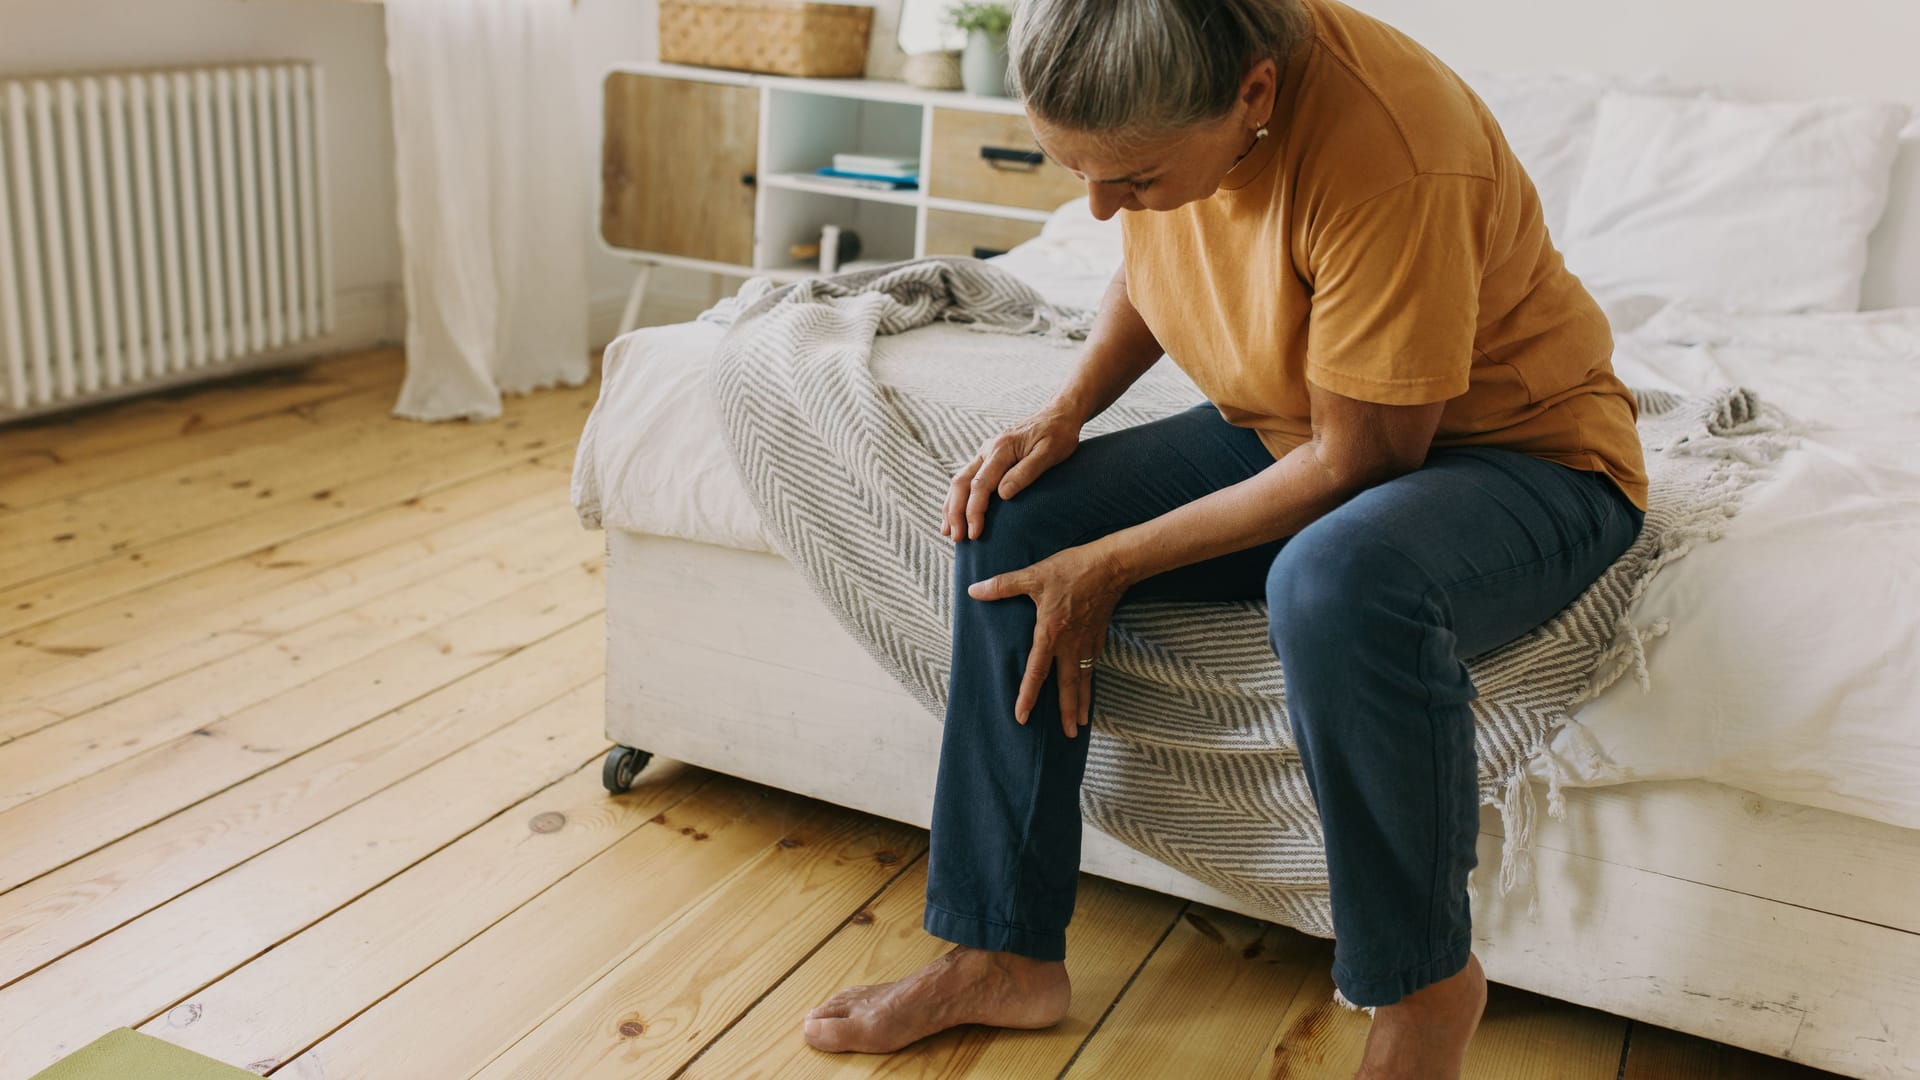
[{"x": 1008, "y": 463}]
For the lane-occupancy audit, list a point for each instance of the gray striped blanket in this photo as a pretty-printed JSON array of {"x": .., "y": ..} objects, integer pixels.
[{"x": 847, "y": 429}]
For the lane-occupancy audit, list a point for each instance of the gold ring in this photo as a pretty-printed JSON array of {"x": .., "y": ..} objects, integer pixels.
[{"x": 1087, "y": 663}]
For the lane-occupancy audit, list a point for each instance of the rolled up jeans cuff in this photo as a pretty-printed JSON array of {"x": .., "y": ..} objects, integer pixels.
[
  {"x": 994, "y": 936},
  {"x": 1386, "y": 988}
]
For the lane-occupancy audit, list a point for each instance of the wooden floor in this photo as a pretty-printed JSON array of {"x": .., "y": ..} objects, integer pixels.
[{"x": 300, "y": 742}]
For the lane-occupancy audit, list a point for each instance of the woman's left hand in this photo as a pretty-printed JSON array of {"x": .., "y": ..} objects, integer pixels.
[{"x": 1074, "y": 592}]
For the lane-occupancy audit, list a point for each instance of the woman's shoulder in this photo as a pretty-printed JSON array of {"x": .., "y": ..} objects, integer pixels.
[{"x": 1375, "y": 101}]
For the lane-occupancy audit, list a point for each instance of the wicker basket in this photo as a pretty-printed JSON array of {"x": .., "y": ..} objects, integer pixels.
[{"x": 778, "y": 37}]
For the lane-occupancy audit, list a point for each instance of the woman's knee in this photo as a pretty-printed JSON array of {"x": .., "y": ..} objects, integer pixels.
[
  {"x": 1328, "y": 587},
  {"x": 1015, "y": 533}
]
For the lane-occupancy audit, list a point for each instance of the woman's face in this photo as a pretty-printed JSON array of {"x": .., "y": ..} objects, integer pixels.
[{"x": 1160, "y": 171}]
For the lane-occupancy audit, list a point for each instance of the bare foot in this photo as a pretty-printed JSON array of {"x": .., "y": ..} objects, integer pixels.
[
  {"x": 1424, "y": 1035},
  {"x": 966, "y": 986}
]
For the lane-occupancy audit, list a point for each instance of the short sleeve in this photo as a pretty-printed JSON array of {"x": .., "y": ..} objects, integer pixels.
[{"x": 1396, "y": 291}]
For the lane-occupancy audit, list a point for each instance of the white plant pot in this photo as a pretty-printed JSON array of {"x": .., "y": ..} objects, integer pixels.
[
  {"x": 983, "y": 64},
  {"x": 932, "y": 70}
]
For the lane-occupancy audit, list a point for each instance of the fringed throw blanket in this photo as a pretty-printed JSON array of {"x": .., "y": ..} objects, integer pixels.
[{"x": 1192, "y": 760}]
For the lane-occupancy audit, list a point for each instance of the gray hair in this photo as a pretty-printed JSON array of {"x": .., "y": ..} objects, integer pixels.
[{"x": 1143, "y": 65}]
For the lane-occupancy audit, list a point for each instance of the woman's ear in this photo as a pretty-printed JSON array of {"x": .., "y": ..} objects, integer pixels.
[{"x": 1258, "y": 89}]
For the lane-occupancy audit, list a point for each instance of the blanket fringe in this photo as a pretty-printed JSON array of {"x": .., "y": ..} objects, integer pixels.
[
  {"x": 1340, "y": 999},
  {"x": 1517, "y": 813}
]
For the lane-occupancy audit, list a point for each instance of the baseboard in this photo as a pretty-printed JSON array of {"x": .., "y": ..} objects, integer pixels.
[{"x": 363, "y": 318}]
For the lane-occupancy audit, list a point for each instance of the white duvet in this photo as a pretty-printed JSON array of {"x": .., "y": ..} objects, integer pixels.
[
  {"x": 1792, "y": 668},
  {"x": 1793, "y": 659}
]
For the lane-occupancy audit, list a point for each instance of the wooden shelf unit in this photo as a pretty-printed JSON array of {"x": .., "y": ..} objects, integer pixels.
[{"x": 713, "y": 170}]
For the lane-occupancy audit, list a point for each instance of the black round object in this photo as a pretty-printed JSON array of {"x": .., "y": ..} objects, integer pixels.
[{"x": 622, "y": 767}]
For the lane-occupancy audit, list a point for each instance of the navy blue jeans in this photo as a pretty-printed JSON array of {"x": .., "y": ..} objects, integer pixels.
[{"x": 1373, "y": 609}]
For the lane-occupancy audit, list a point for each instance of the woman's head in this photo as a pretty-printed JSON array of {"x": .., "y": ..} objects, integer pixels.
[{"x": 1150, "y": 101}]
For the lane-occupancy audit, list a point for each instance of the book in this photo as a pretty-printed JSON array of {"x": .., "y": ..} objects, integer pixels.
[
  {"x": 877, "y": 164},
  {"x": 869, "y": 181}
]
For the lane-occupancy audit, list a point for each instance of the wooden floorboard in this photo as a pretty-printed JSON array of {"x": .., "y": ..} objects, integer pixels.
[
  {"x": 73, "y": 478},
  {"x": 662, "y": 1003},
  {"x": 139, "y": 425},
  {"x": 1115, "y": 928},
  {"x": 424, "y": 617},
  {"x": 1187, "y": 1003},
  {"x": 194, "y": 639},
  {"x": 204, "y": 494},
  {"x": 137, "y": 869},
  {"x": 484, "y": 998},
  {"x": 274, "y": 1007},
  {"x": 152, "y": 617},
  {"x": 149, "y": 965},
  {"x": 24, "y": 604},
  {"x": 308, "y": 781}
]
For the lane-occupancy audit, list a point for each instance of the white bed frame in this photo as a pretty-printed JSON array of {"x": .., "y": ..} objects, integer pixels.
[{"x": 1786, "y": 929}]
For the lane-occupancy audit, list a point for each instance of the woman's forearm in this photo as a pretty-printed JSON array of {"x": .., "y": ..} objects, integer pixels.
[
  {"x": 1275, "y": 503},
  {"x": 1119, "y": 350},
  {"x": 1355, "y": 445}
]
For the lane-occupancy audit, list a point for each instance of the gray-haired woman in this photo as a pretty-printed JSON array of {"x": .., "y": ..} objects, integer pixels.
[{"x": 1414, "y": 450}]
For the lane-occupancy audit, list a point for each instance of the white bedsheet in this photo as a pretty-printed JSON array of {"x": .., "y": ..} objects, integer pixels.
[
  {"x": 1793, "y": 662},
  {"x": 1792, "y": 668},
  {"x": 651, "y": 458}
]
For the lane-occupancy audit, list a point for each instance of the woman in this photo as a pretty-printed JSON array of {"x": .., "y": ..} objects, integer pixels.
[{"x": 1414, "y": 449}]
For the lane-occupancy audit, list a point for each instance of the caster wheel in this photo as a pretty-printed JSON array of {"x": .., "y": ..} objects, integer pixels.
[{"x": 622, "y": 767}]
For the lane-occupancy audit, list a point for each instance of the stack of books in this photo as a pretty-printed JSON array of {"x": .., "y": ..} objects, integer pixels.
[{"x": 878, "y": 172}]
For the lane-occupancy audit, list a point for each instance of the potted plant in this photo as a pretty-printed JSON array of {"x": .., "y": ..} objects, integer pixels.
[{"x": 983, "y": 64}]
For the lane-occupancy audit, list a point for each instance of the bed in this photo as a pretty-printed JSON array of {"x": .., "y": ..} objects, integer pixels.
[{"x": 1740, "y": 850}]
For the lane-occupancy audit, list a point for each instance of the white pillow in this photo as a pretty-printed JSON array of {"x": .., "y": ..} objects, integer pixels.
[
  {"x": 1733, "y": 205},
  {"x": 1893, "y": 252},
  {"x": 1074, "y": 227},
  {"x": 1548, "y": 121}
]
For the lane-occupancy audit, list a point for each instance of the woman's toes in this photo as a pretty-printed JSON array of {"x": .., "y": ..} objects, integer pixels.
[
  {"x": 840, "y": 1035},
  {"x": 839, "y": 1003},
  {"x": 826, "y": 1033}
]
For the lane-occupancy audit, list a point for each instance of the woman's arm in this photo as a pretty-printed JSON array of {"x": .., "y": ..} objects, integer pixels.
[
  {"x": 1355, "y": 445},
  {"x": 1119, "y": 350}
]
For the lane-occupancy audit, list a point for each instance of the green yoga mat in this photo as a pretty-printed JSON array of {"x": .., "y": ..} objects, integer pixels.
[{"x": 125, "y": 1054}]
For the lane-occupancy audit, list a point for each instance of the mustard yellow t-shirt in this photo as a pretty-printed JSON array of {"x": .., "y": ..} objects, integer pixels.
[{"x": 1384, "y": 244}]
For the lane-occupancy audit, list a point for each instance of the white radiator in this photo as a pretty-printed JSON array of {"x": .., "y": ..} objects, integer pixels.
[{"x": 155, "y": 224}]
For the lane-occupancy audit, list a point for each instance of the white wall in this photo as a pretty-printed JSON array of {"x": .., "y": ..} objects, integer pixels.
[
  {"x": 1765, "y": 49},
  {"x": 49, "y": 36}
]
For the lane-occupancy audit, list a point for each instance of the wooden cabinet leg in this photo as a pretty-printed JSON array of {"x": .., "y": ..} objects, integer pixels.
[{"x": 630, "y": 318}]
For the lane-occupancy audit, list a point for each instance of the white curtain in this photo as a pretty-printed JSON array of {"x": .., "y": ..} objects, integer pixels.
[{"x": 493, "y": 203}]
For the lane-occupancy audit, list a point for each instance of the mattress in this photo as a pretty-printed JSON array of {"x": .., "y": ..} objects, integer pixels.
[
  {"x": 1791, "y": 645},
  {"x": 651, "y": 458}
]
